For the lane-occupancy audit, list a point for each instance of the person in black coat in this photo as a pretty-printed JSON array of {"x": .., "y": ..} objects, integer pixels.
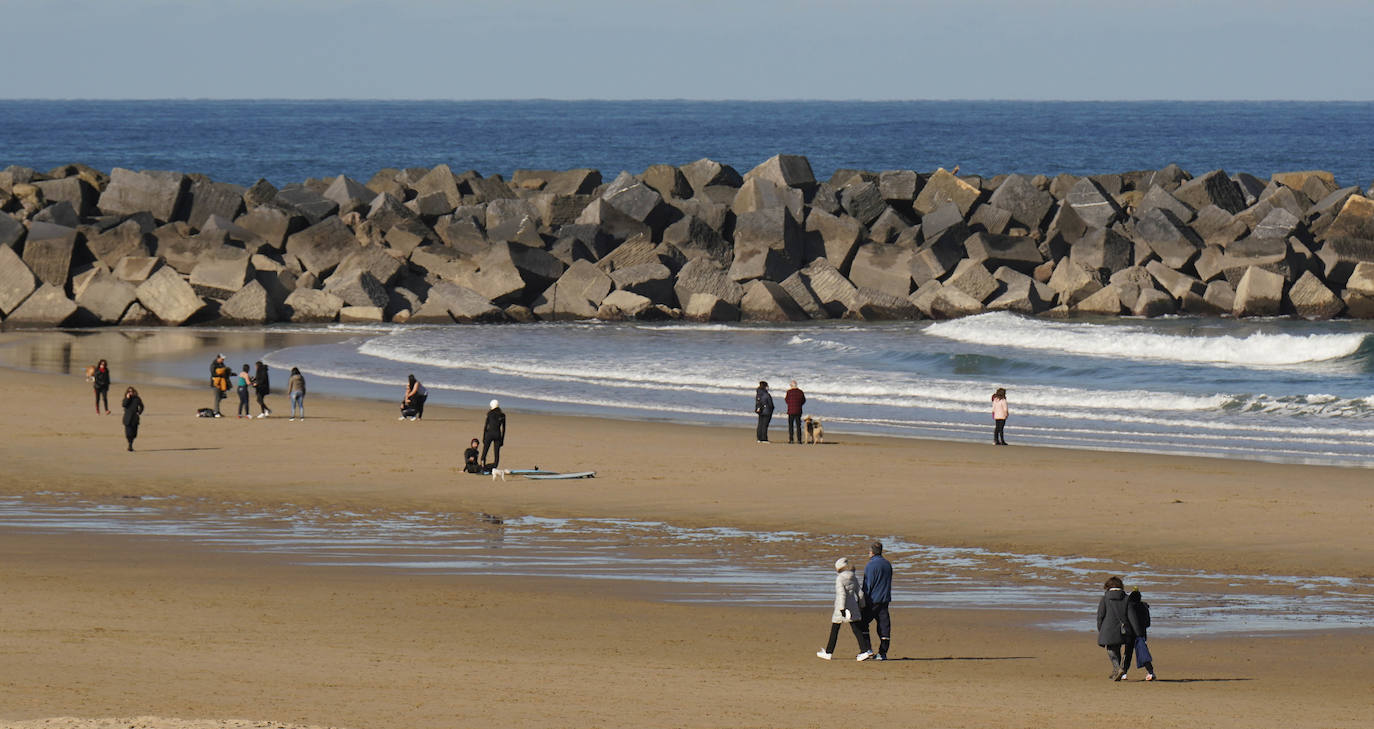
[
  {"x": 763, "y": 405},
  {"x": 1138, "y": 615},
  {"x": 1114, "y": 624},
  {"x": 262, "y": 387},
  {"x": 133, "y": 408},
  {"x": 493, "y": 434},
  {"x": 100, "y": 379},
  {"x": 470, "y": 458}
]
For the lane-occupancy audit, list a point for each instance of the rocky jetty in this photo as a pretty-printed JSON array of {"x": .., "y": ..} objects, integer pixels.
[{"x": 79, "y": 247}]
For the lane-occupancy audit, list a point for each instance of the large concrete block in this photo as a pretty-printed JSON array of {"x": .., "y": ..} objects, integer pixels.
[
  {"x": 169, "y": 298},
  {"x": 74, "y": 191},
  {"x": 651, "y": 280},
  {"x": 252, "y": 304},
  {"x": 637, "y": 250},
  {"x": 12, "y": 231},
  {"x": 1105, "y": 302},
  {"x": 973, "y": 278},
  {"x": 758, "y": 194},
  {"x": 160, "y": 193},
  {"x": 705, "y": 308},
  {"x": 46, "y": 307},
  {"x": 573, "y": 182},
  {"x": 463, "y": 304},
  {"x": 357, "y": 287},
  {"x": 785, "y": 170},
  {"x": 576, "y": 294},
  {"x": 1213, "y": 188},
  {"x": 484, "y": 189},
  {"x": 1103, "y": 249},
  {"x": 611, "y": 221},
  {"x": 1268, "y": 253},
  {"x": 772, "y": 227},
  {"x": 938, "y": 256},
  {"x": 623, "y": 305},
  {"x": 207, "y": 198},
  {"x": 668, "y": 181},
  {"x": 891, "y": 227},
  {"x": 836, "y": 294},
  {"x": 872, "y": 305},
  {"x": 61, "y": 213},
  {"x": 1260, "y": 293},
  {"x": 768, "y": 301},
  {"x": 883, "y": 267},
  {"x": 1166, "y": 236},
  {"x": 16, "y": 280},
  {"x": 311, "y": 205},
  {"x": 322, "y": 246},
  {"x": 1094, "y": 205},
  {"x": 1016, "y": 252},
  {"x": 863, "y": 201},
  {"x": 381, "y": 263},
  {"x": 48, "y": 252},
  {"x": 1339, "y": 256},
  {"x": 313, "y": 305},
  {"x": 1158, "y": 198},
  {"x": 1074, "y": 282},
  {"x": 1355, "y": 220},
  {"x": 758, "y": 260},
  {"x": 1311, "y": 299},
  {"x": 1177, "y": 283},
  {"x": 1028, "y": 205},
  {"x": 952, "y": 303},
  {"x": 439, "y": 181},
  {"x": 1218, "y": 227},
  {"x": 273, "y": 225},
  {"x": 1152, "y": 303},
  {"x": 349, "y": 194},
  {"x": 695, "y": 238},
  {"x": 943, "y": 187},
  {"x": 798, "y": 288},
  {"x": 222, "y": 274},
  {"x": 839, "y": 236},
  {"x": 136, "y": 269},
  {"x": 705, "y": 173},
  {"x": 705, "y": 276}
]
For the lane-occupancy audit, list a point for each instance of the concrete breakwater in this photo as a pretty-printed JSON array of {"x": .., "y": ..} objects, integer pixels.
[{"x": 699, "y": 241}]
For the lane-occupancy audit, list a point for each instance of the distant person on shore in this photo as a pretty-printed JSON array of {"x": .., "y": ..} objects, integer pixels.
[
  {"x": 133, "y": 409},
  {"x": 241, "y": 383},
  {"x": 415, "y": 398},
  {"x": 795, "y": 398},
  {"x": 877, "y": 589},
  {"x": 846, "y": 610},
  {"x": 262, "y": 387},
  {"x": 999, "y": 415},
  {"x": 493, "y": 435},
  {"x": 101, "y": 382},
  {"x": 219, "y": 381},
  {"x": 763, "y": 405},
  {"x": 295, "y": 391},
  {"x": 1114, "y": 625},
  {"x": 471, "y": 464},
  {"x": 1138, "y": 614}
]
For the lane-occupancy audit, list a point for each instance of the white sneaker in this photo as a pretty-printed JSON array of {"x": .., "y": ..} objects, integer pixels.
[
  {"x": 291, "y": 420},
  {"x": 262, "y": 415},
  {"x": 864, "y": 656},
  {"x": 823, "y": 655}
]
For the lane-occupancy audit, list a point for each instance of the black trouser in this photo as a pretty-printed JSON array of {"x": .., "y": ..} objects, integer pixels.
[
  {"x": 262, "y": 406},
  {"x": 102, "y": 394},
  {"x": 997, "y": 427},
  {"x": 764, "y": 420},
  {"x": 219, "y": 397},
  {"x": 243, "y": 401},
  {"x": 860, "y": 635},
  {"x": 878, "y": 612},
  {"x": 1149, "y": 666},
  {"x": 131, "y": 432},
  {"x": 496, "y": 454},
  {"x": 418, "y": 402},
  {"x": 794, "y": 422}
]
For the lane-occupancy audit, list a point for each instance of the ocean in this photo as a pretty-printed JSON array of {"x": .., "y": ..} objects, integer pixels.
[{"x": 1257, "y": 389}]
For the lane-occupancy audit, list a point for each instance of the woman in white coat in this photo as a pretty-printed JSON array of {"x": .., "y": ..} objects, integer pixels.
[{"x": 847, "y": 610}]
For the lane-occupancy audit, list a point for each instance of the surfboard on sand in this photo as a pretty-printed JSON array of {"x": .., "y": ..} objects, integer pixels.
[
  {"x": 536, "y": 471},
  {"x": 546, "y": 476}
]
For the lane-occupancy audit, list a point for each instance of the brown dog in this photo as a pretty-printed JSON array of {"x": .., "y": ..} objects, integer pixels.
[{"x": 814, "y": 432}]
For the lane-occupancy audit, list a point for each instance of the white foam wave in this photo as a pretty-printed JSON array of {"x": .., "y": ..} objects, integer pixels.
[
  {"x": 799, "y": 340},
  {"x": 1125, "y": 341}
]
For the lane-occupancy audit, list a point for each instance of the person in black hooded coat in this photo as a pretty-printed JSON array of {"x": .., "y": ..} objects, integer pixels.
[
  {"x": 133, "y": 409},
  {"x": 1114, "y": 624}
]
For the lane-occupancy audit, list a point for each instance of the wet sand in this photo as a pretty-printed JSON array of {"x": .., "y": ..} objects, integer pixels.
[{"x": 102, "y": 626}]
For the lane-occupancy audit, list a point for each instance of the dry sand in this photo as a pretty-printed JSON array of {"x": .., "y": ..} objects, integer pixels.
[{"x": 104, "y": 626}]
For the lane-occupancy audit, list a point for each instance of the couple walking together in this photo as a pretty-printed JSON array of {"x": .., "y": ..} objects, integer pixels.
[
  {"x": 859, "y": 604},
  {"x": 763, "y": 407}
]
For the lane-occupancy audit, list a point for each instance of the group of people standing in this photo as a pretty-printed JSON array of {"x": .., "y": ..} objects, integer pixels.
[
  {"x": 1123, "y": 619},
  {"x": 493, "y": 437},
  {"x": 99, "y": 376},
  {"x": 860, "y": 604},
  {"x": 795, "y": 399},
  {"x": 221, "y": 379}
]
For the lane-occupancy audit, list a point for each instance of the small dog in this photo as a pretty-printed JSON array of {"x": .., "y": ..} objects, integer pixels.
[
  {"x": 815, "y": 433},
  {"x": 501, "y": 472}
]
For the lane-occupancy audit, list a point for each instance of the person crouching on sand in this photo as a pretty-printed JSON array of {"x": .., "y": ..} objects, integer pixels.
[
  {"x": 999, "y": 415},
  {"x": 133, "y": 408},
  {"x": 847, "y": 609}
]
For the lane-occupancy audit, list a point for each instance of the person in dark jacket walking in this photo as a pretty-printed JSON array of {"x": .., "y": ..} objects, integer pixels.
[
  {"x": 763, "y": 405},
  {"x": 795, "y": 398},
  {"x": 1113, "y": 624},
  {"x": 262, "y": 387},
  {"x": 100, "y": 380},
  {"x": 1138, "y": 615},
  {"x": 877, "y": 594},
  {"x": 133, "y": 408},
  {"x": 493, "y": 434}
]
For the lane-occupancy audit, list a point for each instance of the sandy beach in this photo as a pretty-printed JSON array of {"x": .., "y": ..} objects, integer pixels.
[{"x": 105, "y": 626}]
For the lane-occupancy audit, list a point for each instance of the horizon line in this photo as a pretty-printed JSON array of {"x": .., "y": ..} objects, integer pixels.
[{"x": 685, "y": 100}]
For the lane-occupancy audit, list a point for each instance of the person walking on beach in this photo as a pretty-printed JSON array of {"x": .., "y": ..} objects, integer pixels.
[
  {"x": 763, "y": 405},
  {"x": 999, "y": 415},
  {"x": 846, "y": 610},
  {"x": 877, "y": 590},
  {"x": 101, "y": 382},
  {"x": 1114, "y": 625},
  {"x": 241, "y": 387},
  {"x": 1138, "y": 615},
  {"x": 493, "y": 434},
  {"x": 795, "y": 398},
  {"x": 415, "y": 398},
  {"x": 219, "y": 381},
  {"x": 262, "y": 387},
  {"x": 133, "y": 409},
  {"x": 295, "y": 391}
]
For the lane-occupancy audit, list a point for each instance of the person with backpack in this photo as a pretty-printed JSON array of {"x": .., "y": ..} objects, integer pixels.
[
  {"x": 1113, "y": 624},
  {"x": 1138, "y": 615}
]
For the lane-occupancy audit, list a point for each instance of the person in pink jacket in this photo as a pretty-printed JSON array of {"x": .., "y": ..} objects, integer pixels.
[{"x": 999, "y": 415}]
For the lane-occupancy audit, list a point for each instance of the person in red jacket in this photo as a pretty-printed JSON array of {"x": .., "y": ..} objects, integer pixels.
[{"x": 795, "y": 398}]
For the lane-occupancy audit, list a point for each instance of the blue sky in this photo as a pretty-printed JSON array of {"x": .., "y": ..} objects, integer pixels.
[{"x": 693, "y": 49}]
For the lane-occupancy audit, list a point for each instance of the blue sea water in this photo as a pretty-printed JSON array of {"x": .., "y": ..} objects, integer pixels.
[{"x": 290, "y": 141}]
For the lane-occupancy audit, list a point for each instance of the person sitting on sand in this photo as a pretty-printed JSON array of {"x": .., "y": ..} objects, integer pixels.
[
  {"x": 470, "y": 458},
  {"x": 847, "y": 610}
]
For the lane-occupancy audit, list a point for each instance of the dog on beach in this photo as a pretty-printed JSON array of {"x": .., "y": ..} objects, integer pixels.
[
  {"x": 815, "y": 433},
  {"x": 501, "y": 472}
]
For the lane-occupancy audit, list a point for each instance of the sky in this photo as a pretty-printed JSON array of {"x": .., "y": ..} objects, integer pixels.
[{"x": 688, "y": 49}]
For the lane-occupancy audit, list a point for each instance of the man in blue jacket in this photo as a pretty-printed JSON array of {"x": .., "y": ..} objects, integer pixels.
[{"x": 877, "y": 590}]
